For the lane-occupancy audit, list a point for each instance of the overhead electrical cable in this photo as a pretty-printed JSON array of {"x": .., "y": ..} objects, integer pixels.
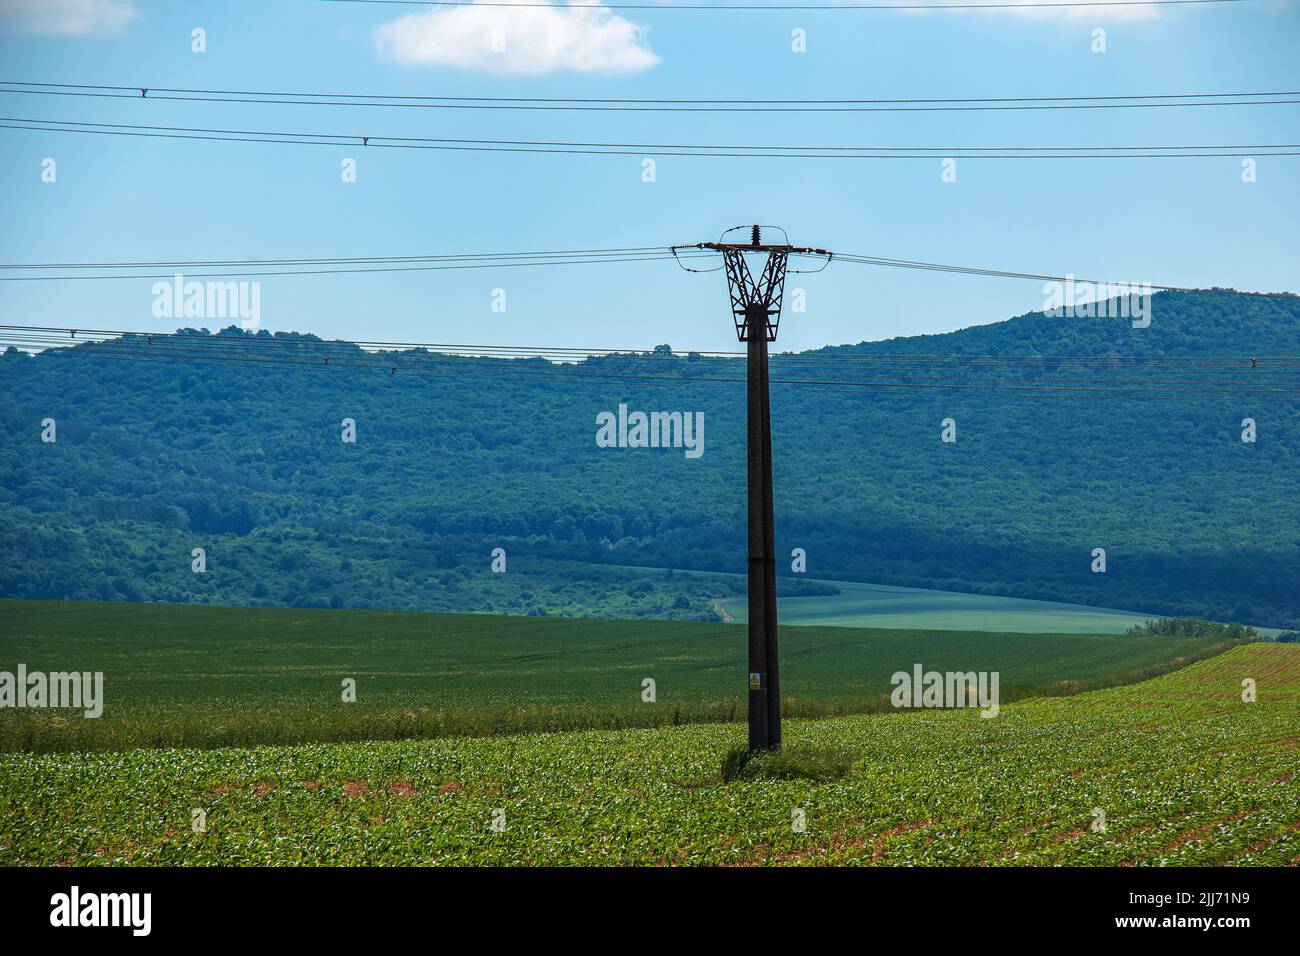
[
  {"x": 376, "y": 141},
  {"x": 57, "y": 271},
  {"x": 675, "y": 105},
  {"x": 390, "y": 364},
  {"x": 69, "y": 333},
  {"x": 336, "y": 260},
  {"x": 1199, "y": 391},
  {"x": 1127, "y": 286},
  {"x": 1255, "y": 365},
  {"x": 186, "y": 348},
  {"x": 353, "y": 271}
]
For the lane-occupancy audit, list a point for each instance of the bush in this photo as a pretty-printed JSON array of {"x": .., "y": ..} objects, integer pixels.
[
  {"x": 796, "y": 761},
  {"x": 1191, "y": 627}
]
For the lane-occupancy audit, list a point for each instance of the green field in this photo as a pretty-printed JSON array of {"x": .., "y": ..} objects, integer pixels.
[
  {"x": 179, "y": 675},
  {"x": 1185, "y": 772},
  {"x": 881, "y": 605}
]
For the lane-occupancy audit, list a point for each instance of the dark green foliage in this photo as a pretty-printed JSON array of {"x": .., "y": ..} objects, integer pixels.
[
  {"x": 1193, "y": 627},
  {"x": 794, "y": 761},
  {"x": 1288, "y": 637},
  {"x": 154, "y": 459}
]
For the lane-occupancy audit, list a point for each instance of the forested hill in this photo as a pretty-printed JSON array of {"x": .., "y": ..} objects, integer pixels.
[
  {"x": 1191, "y": 324},
  {"x": 156, "y": 458}
]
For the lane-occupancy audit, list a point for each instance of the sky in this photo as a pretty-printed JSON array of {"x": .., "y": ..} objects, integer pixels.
[{"x": 1173, "y": 221}]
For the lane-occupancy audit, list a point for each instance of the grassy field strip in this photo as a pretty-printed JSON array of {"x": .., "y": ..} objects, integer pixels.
[
  {"x": 1206, "y": 781},
  {"x": 891, "y": 606},
  {"x": 217, "y": 676},
  {"x": 887, "y": 606}
]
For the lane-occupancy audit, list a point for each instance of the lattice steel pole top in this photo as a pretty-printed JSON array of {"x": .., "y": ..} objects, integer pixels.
[{"x": 756, "y": 303}]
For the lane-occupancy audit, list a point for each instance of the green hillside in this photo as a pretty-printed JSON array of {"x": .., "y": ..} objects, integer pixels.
[
  {"x": 219, "y": 676},
  {"x": 155, "y": 459},
  {"x": 1175, "y": 771}
]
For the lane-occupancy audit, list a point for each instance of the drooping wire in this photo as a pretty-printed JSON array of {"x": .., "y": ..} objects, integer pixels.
[
  {"x": 555, "y": 147},
  {"x": 191, "y": 349},
  {"x": 1105, "y": 101}
]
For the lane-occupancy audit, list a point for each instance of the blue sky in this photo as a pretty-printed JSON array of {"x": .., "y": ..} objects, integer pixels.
[{"x": 1187, "y": 222}]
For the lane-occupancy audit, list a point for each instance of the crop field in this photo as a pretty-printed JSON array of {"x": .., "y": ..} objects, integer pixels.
[
  {"x": 231, "y": 676},
  {"x": 1184, "y": 771},
  {"x": 880, "y": 605}
]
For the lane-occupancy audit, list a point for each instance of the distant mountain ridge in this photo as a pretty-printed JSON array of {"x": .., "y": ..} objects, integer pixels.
[{"x": 154, "y": 459}]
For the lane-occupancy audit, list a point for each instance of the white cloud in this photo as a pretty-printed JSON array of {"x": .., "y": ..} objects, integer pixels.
[
  {"x": 69, "y": 17},
  {"x": 583, "y": 38}
]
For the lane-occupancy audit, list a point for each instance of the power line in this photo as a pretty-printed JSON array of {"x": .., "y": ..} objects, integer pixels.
[
  {"x": 1093, "y": 364},
  {"x": 356, "y": 271},
  {"x": 616, "y": 149},
  {"x": 391, "y": 365},
  {"x": 66, "y": 334},
  {"x": 186, "y": 348},
  {"x": 628, "y": 104},
  {"x": 628, "y": 254},
  {"x": 632, "y": 370},
  {"x": 73, "y": 332},
  {"x": 1128, "y": 287},
  {"x": 620, "y": 99},
  {"x": 717, "y": 146},
  {"x": 336, "y": 260},
  {"x": 1201, "y": 393},
  {"x": 1195, "y": 391}
]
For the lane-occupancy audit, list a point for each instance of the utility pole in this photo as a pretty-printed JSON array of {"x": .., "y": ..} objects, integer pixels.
[{"x": 756, "y": 311}]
